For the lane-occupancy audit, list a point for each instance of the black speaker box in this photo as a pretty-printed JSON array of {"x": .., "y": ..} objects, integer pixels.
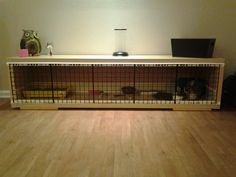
[
  {"x": 197, "y": 48},
  {"x": 228, "y": 93}
]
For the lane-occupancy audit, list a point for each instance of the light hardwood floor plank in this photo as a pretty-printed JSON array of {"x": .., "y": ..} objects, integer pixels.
[{"x": 107, "y": 143}]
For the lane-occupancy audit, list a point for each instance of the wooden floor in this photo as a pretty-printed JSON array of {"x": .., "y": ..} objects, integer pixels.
[{"x": 92, "y": 143}]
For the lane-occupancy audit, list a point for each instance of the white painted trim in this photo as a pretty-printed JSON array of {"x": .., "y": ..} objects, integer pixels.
[
  {"x": 4, "y": 93},
  {"x": 112, "y": 63}
]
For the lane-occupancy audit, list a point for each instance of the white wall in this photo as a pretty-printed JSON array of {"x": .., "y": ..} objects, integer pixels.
[{"x": 85, "y": 26}]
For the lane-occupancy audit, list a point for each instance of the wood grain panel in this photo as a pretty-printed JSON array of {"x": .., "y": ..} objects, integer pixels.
[{"x": 117, "y": 143}]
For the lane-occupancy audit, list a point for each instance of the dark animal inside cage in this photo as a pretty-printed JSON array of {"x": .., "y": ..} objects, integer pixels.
[
  {"x": 192, "y": 88},
  {"x": 163, "y": 96},
  {"x": 128, "y": 90}
]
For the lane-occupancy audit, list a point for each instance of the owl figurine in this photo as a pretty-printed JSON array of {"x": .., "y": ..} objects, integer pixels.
[{"x": 31, "y": 41}]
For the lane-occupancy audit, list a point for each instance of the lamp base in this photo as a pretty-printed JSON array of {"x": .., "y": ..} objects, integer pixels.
[{"x": 120, "y": 53}]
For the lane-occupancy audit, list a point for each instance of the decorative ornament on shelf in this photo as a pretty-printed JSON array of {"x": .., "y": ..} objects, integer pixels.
[
  {"x": 31, "y": 41},
  {"x": 50, "y": 48},
  {"x": 120, "y": 37}
]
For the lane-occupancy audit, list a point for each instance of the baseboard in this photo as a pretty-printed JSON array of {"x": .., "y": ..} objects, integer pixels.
[{"x": 4, "y": 93}]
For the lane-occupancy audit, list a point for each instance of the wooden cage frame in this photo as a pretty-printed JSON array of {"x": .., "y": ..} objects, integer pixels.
[{"x": 133, "y": 68}]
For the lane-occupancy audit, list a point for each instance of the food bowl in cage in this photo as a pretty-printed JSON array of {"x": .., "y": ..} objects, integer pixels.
[{"x": 45, "y": 93}]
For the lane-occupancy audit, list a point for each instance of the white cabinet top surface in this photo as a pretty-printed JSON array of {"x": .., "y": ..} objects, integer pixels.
[{"x": 113, "y": 59}]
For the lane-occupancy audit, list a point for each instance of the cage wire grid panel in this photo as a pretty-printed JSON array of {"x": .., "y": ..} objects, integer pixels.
[{"x": 114, "y": 83}]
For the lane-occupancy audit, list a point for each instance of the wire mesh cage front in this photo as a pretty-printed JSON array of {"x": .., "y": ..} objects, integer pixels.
[
  {"x": 114, "y": 83},
  {"x": 197, "y": 84},
  {"x": 31, "y": 83}
]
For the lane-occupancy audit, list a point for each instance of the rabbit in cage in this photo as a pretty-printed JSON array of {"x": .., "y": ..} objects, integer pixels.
[{"x": 192, "y": 88}]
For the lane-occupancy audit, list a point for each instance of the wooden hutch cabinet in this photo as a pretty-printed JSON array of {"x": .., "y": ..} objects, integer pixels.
[{"x": 102, "y": 81}]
